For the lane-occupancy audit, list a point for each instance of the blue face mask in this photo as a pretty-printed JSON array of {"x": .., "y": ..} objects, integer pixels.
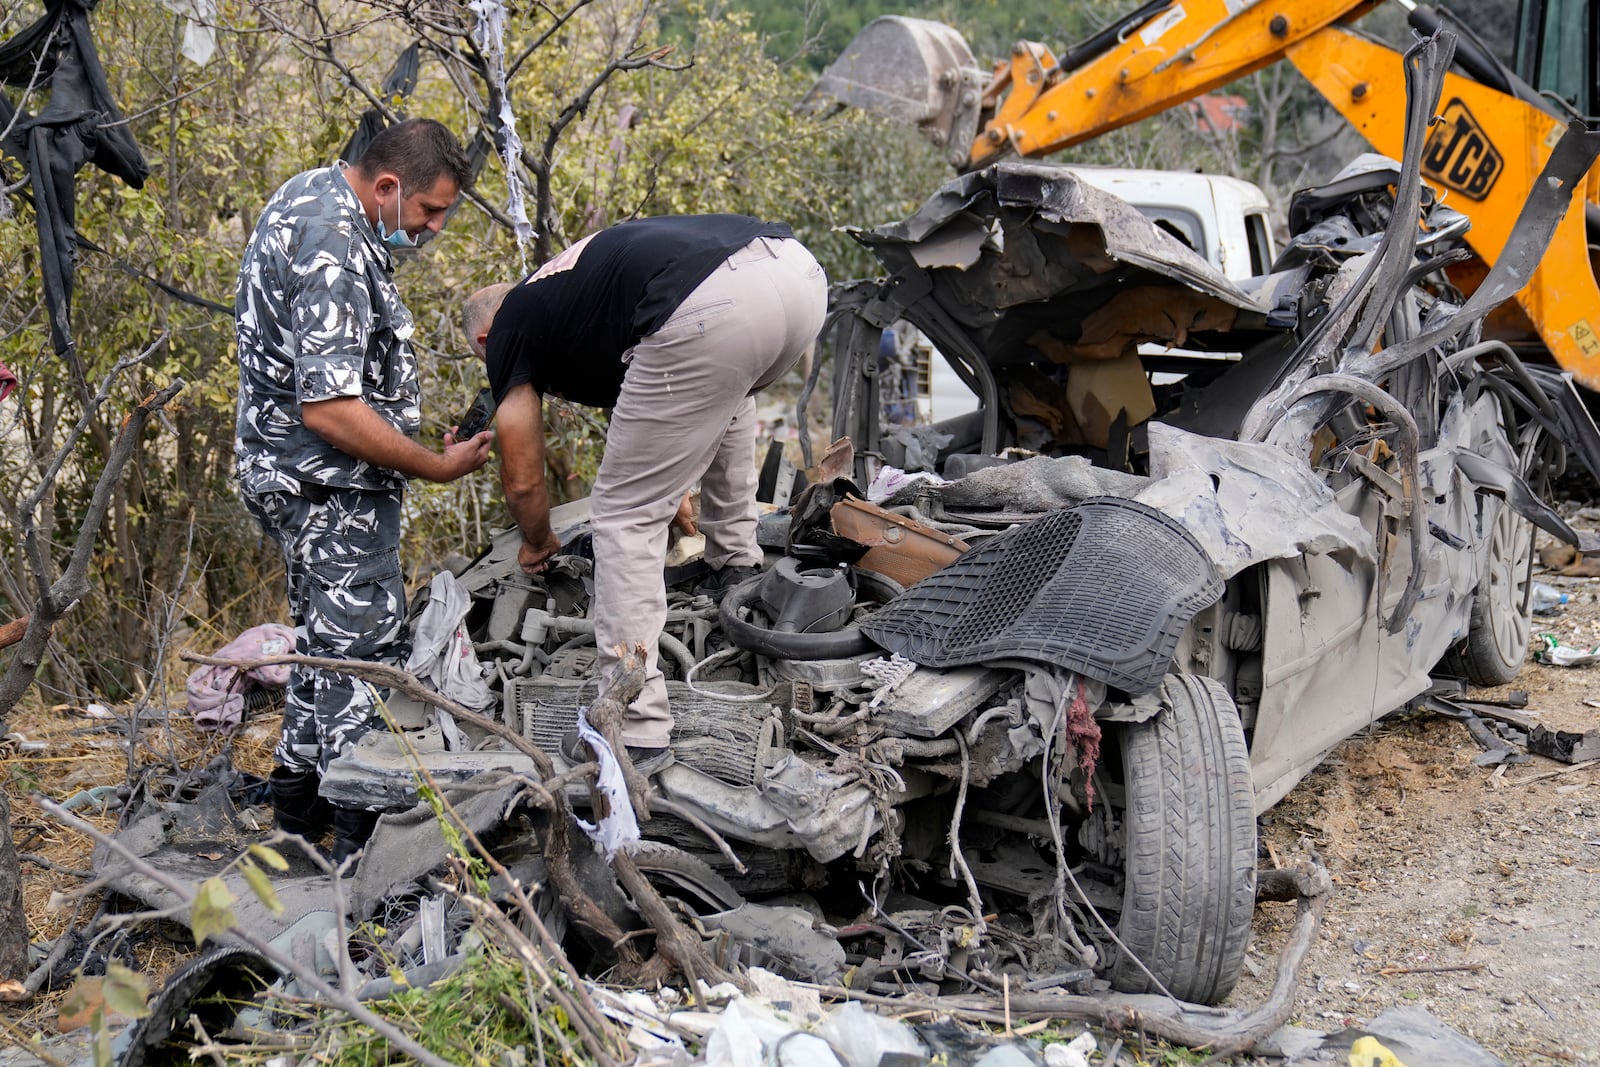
[{"x": 399, "y": 238}]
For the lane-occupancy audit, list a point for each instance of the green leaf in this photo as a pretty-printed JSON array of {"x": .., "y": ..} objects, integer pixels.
[
  {"x": 126, "y": 991},
  {"x": 212, "y": 912},
  {"x": 270, "y": 857},
  {"x": 261, "y": 885}
]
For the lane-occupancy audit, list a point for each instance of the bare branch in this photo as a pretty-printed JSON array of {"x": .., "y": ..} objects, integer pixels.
[
  {"x": 58, "y": 597},
  {"x": 539, "y": 41}
]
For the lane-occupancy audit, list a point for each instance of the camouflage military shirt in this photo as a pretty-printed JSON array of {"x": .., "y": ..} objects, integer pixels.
[{"x": 318, "y": 317}]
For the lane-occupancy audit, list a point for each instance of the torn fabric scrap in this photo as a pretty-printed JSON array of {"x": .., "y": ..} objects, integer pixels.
[
  {"x": 619, "y": 829},
  {"x": 217, "y": 694}
]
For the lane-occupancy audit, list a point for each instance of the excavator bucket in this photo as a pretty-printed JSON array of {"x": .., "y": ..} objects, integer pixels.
[{"x": 911, "y": 71}]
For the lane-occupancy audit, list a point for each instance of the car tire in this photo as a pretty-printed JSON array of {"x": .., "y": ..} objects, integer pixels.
[
  {"x": 679, "y": 872},
  {"x": 1499, "y": 624},
  {"x": 1189, "y": 847}
]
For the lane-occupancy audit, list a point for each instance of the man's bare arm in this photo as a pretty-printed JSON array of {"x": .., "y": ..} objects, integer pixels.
[
  {"x": 521, "y": 420},
  {"x": 349, "y": 424}
]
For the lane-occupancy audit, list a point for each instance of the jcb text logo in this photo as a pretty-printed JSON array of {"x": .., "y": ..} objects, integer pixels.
[{"x": 1459, "y": 155}]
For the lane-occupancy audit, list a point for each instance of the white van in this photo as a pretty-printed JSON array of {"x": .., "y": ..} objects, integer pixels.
[{"x": 1222, "y": 218}]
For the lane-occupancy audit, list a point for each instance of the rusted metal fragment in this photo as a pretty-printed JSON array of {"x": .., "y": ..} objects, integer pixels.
[{"x": 898, "y": 547}]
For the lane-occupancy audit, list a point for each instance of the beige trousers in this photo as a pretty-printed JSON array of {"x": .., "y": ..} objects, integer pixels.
[{"x": 685, "y": 413}]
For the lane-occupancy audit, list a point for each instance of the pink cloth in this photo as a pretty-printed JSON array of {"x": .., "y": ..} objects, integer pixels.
[
  {"x": 216, "y": 694},
  {"x": 8, "y": 381}
]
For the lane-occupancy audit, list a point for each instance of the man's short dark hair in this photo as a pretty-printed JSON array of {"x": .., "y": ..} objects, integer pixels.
[{"x": 419, "y": 152}]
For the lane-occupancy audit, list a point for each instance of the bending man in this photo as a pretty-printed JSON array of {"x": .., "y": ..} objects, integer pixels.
[
  {"x": 329, "y": 404},
  {"x": 675, "y": 323}
]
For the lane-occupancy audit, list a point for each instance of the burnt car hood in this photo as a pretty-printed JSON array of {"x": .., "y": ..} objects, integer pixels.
[{"x": 1032, "y": 263}]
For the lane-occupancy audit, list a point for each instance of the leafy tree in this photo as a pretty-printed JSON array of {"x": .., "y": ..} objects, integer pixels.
[{"x": 619, "y": 114}]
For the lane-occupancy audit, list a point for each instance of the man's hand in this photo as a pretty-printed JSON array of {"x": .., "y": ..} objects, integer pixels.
[
  {"x": 452, "y": 436},
  {"x": 684, "y": 519},
  {"x": 349, "y": 424},
  {"x": 464, "y": 457},
  {"x": 534, "y": 558},
  {"x": 521, "y": 419}
]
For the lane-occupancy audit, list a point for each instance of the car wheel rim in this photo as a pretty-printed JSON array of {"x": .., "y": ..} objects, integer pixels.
[{"x": 1510, "y": 547}]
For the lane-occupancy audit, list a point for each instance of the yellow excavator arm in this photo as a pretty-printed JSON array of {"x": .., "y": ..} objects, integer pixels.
[
  {"x": 1493, "y": 136},
  {"x": 1484, "y": 153},
  {"x": 1181, "y": 51}
]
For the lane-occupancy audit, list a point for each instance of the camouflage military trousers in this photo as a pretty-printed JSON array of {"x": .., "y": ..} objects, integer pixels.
[{"x": 341, "y": 554}]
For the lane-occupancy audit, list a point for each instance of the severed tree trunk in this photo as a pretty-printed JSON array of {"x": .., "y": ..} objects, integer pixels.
[{"x": 13, "y": 924}]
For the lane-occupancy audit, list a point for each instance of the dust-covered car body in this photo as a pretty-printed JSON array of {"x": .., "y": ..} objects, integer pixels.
[
  {"x": 1355, "y": 551},
  {"x": 1018, "y": 719}
]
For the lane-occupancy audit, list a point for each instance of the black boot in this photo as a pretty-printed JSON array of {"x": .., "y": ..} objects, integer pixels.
[
  {"x": 351, "y": 828},
  {"x": 296, "y": 807}
]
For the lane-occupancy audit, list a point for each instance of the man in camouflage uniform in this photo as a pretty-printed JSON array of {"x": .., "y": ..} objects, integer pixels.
[{"x": 329, "y": 406}]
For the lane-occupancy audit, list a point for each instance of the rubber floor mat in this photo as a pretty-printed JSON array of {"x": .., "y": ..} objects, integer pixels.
[{"x": 1104, "y": 588}]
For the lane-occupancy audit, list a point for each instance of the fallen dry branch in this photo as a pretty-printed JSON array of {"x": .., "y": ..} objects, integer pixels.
[
  {"x": 557, "y": 851},
  {"x": 674, "y": 941},
  {"x": 606, "y": 714},
  {"x": 1192, "y": 1026},
  {"x": 680, "y": 948},
  {"x": 1391, "y": 970},
  {"x": 12, "y": 631},
  {"x": 1530, "y": 779}
]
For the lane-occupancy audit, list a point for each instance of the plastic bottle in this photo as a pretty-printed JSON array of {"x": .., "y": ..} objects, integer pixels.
[{"x": 1547, "y": 599}]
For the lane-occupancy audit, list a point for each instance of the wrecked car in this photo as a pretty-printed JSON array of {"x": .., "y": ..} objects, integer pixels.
[
  {"x": 1011, "y": 691},
  {"x": 1001, "y": 710}
]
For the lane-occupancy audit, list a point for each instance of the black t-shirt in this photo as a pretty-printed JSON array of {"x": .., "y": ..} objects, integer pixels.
[{"x": 564, "y": 329}]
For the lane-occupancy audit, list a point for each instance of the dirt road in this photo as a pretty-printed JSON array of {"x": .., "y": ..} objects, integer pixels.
[{"x": 1472, "y": 892}]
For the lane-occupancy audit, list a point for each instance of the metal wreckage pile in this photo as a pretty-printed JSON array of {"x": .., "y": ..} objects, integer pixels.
[{"x": 1009, "y": 726}]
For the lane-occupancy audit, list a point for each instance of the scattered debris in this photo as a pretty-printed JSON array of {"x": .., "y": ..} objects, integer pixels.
[
  {"x": 1571, "y": 561},
  {"x": 1563, "y": 745},
  {"x": 1546, "y": 600},
  {"x": 1552, "y": 652},
  {"x": 1411, "y": 1037}
]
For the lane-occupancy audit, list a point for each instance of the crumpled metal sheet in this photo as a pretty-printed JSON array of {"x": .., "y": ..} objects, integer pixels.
[
  {"x": 1021, "y": 257},
  {"x": 1058, "y": 198},
  {"x": 191, "y": 842},
  {"x": 1248, "y": 503},
  {"x": 782, "y": 939},
  {"x": 1037, "y": 484},
  {"x": 832, "y": 813},
  {"x": 796, "y": 805},
  {"x": 408, "y": 845}
]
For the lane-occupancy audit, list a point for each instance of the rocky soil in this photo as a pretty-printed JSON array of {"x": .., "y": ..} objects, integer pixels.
[{"x": 1470, "y": 891}]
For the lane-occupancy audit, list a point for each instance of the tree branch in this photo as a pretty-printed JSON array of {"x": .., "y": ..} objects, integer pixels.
[
  {"x": 538, "y": 42},
  {"x": 59, "y": 597}
]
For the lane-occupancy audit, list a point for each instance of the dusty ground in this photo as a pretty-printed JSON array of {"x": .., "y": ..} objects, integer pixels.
[{"x": 1471, "y": 892}]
